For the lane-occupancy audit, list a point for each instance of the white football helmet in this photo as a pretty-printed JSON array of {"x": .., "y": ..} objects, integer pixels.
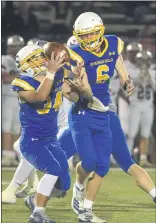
[
  {"x": 89, "y": 31},
  {"x": 41, "y": 43},
  {"x": 72, "y": 41},
  {"x": 32, "y": 41},
  {"x": 132, "y": 49},
  {"x": 30, "y": 61},
  {"x": 14, "y": 44},
  {"x": 144, "y": 59},
  {"x": 134, "y": 46},
  {"x": 15, "y": 40}
]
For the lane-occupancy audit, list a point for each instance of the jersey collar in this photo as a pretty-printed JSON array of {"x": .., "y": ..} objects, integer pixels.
[{"x": 100, "y": 54}]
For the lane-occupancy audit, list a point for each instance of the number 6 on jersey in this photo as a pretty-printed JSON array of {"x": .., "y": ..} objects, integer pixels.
[{"x": 100, "y": 76}]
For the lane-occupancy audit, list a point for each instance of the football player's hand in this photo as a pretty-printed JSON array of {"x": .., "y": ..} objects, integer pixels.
[
  {"x": 54, "y": 64},
  {"x": 76, "y": 83},
  {"x": 80, "y": 68},
  {"x": 129, "y": 87},
  {"x": 77, "y": 70}
]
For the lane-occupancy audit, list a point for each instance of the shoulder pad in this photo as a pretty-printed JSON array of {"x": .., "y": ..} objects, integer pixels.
[{"x": 21, "y": 84}]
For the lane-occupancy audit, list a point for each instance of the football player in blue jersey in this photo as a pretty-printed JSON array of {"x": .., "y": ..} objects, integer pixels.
[
  {"x": 39, "y": 91},
  {"x": 90, "y": 130},
  {"x": 119, "y": 150},
  {"x": 24, "y": 168},
  {"x": 90, "y": 127}
]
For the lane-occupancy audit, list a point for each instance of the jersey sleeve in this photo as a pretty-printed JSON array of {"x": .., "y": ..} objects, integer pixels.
[
  {"x": 74, "y": 58},
  {"x": 21, "y": 85},
  {"x": 120, "y": 45}
]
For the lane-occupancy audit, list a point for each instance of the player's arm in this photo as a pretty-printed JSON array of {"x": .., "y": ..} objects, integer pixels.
[
  {"x": 74, "y": 59},
  {"x": 41, "y": 93},
  {"x": 121, "y": 70},
  {"x": 80, "y": 83},
  {"x": 44, "y": 89},
  {"x": 125, "y": 80},
  {"x": 66, "y": 91}
]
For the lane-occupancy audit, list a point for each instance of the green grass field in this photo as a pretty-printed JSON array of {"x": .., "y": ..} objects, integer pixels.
[{"x": 119, "y": 201}]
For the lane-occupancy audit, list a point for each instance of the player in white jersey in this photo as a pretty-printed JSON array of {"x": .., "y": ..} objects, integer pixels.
[
  {"x": 114, "y": 87},
  {"x": 10, "y": 110},
  {"x": 123, "y": 103},
  {"x": 10, "y": 107},
  {"x": 63, "y": 114},
  {"x": 141, "y": 104}
]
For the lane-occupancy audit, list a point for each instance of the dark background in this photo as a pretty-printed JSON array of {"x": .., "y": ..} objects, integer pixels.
[{"x": 133, "y": 20}]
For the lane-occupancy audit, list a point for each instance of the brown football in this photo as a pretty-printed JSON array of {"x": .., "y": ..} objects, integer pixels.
[{"x": 56, "y": 48}]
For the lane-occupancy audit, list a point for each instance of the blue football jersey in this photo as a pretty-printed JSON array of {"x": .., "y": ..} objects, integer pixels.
[
  {"x": 39, "y": 119},
  {"x": 99, "y": 66}
]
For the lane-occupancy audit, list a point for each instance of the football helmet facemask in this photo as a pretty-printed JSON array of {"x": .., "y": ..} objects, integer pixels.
[{"x": 30, "y": 61}]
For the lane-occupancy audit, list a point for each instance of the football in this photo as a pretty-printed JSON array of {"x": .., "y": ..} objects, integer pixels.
[{"x": 56, "y": 48}]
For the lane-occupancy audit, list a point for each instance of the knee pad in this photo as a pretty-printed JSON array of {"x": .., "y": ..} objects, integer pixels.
[
  {"x": 89, "y": 165},
  {"x": 16, "y": 146},
  {"x": 102, "y": 170}
]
